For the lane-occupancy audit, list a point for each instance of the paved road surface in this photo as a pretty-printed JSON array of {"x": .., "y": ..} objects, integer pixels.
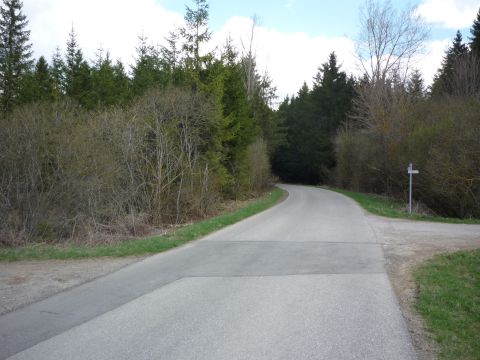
[{"x": 303, "y": 280}]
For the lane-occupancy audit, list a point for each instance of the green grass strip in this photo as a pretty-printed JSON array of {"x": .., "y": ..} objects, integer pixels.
[
  {"x": 449, "y": 301},
  {"x": 384, "y": 206},
  {"x": 143, "y": 246}
]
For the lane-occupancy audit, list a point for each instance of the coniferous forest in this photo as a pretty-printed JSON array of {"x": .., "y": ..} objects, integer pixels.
[{"x": 94, "y": 150}]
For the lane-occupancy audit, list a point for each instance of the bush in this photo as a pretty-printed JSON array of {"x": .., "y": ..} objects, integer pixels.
[
  {"x": 440, "y": 136},
  {"x": 67, "y": 173}
]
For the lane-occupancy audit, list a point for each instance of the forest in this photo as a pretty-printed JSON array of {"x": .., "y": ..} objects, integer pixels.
[
  {"x": 361, "y": 133},
  {"x": 96, "y": 150},
  {"x": 90, "y": 152}
]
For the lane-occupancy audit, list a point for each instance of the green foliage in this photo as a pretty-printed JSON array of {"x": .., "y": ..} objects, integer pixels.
[
  {"x": 475, "y": 39},
  {"x": 38, "y": 85},
  {"x": 147, "y": 71},
  {"x": 415, "y": 86},
  {"x": 442, "y": 83},
  {"x": 15, "y": 52},
  {"x": 310, "y": 122},
  {"x": 77, "y": 75},
  {"x": 449, "y": 301},
  {"x": 58, "y": 74},
  {"x": 110, "y": 84},
  {"x": 195, "y": 34},
  {"x": 97, "y": 152}
]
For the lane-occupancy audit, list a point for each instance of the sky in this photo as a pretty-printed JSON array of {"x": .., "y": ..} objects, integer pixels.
[{"x": 292, "y": 38}]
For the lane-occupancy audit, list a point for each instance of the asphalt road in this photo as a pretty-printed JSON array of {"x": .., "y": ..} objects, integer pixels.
[{"x": 303, "y": 280}]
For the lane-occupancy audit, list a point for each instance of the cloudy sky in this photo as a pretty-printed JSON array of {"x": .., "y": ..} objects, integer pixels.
[{"x": 293, "y": 37}]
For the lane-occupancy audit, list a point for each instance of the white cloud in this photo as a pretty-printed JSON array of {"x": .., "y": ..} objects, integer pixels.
[
  {"x": 289, "y": 58},
  {"x": 112, "y": 24},
  {"x": 452, "y": 14},
  {"x": 429, "y": 62}
]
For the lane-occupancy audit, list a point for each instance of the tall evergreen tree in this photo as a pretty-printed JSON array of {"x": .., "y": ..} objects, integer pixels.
[
  {"x": 15, "y": 51},
  {"x": 39, "y": 84},
  {"x": 58, "y": 74},
  {"x": 77, "y": 81},
  {"x": 475, "y": 39},
  {"x": 171, "y": 52},
  {"x": 195, "y": 34},
  {"x": 109, "y": 81},
  {"x": 416, "y": 86},
  {"x": 148, "y": 70},
  {"x": 311, "y": 121},
  {"x": 122, "y": 83},
  {"x": 442, "y": 82}
]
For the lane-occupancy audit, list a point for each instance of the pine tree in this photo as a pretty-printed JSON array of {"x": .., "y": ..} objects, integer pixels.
[
  {"x": 442, "y": 82},
  {"x": 475, "y": 39},
  {"x": 416, "y": 86},
  {"x": 148, "y": 70},
  {"x": 72, "y": 64},
  {"x": 332, "y": 94},
  {"x": 241, "y": 127},
  {"x": 171, "y": 52},
  {"x": 43, "y": 81},
  {"x": 15, "y": 52},
  {"x": 58, "y": 74},
  {"x": 122, "y": 83},
  {"x": 77, "y": 75},
  {"x": 103, "y": 83},
  {"x": 195, "y": 34},
  {"x": 311, "y": 121}
]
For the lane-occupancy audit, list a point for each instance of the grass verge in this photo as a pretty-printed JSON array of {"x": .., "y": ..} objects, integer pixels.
[
  {"x": 142, "y": 246},
  {"x": 449, "y": 301},
  {"x": 384, "y": 206}
]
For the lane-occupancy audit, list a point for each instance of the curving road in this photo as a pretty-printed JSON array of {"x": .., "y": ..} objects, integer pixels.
[{"x": 303, "y": 280}]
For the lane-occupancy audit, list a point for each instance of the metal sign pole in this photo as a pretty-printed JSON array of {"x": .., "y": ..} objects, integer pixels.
[
  {"x": 411, "y": 172},
  {"x": 410, "y": 190}
]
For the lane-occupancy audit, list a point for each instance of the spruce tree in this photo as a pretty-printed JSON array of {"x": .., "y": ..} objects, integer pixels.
[
  {"x": 122, "y": 83},
  {"x": 72, "y": 64},
  {"x": 58, "y": 74},
  {"x": 196, "y": 33},
  {"x": 15, "y": 52},
  {"x": 311, "y": 121},
  {"x": 77, "y": 75},
  {"x": 147, "y": 71},
  {"x": 475, "y": 39},
  {"x": 103, "y": 80},
  {"x": 416, "y": 86},
  {"x": 442, "y": 82}
]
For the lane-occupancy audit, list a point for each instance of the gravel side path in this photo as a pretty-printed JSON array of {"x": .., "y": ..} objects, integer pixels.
[
  {"x": 25, "y": 282},
  {"x": 406, "y": 244}
]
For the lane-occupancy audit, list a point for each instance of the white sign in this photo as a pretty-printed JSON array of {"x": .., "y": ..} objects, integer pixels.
[{"x": 410, "y": 171}]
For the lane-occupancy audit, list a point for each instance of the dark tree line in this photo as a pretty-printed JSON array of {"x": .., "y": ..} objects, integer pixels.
[
  {"x": 310, "y": 121},
  {"x": 362, "y": 134}
]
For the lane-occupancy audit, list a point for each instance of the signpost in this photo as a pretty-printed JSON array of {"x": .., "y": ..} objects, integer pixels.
[{"x": 411, "y": 172}]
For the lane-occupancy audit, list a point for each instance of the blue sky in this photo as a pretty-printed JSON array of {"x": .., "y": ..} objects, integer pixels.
[
  {"x": 328, "y": 18},
  {"x": 293, "y": 38}
]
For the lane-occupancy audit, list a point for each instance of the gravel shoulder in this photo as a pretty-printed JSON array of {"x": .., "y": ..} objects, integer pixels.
[
  {"x": 406, "y": 244},
  {"x": 26, "y": 282}
]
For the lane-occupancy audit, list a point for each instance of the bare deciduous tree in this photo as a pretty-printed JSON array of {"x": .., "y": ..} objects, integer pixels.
[{"x": 388, "y": 39}]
